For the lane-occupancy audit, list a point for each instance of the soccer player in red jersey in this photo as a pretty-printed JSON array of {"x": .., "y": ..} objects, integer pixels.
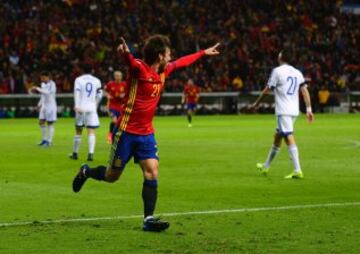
[
  {"x": 115, "y": 93},
  {"x": 135, "y": 135},
  {"x": 191, "y": 98}
]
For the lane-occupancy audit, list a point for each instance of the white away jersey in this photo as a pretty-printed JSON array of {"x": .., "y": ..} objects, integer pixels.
[
  {"x": 87, "y": 93},
  {"x": 285, "y": 82},
  {"x": 48, "y": 94}
]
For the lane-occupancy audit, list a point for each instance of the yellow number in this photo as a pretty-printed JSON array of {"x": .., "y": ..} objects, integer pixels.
[{"x": 156, "y": 90}]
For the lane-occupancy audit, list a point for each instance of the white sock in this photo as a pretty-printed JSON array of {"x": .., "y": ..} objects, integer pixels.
[
  {"x": 272, "y": 153},
  {"x": 51, "y": 131},
  {"x": 294, "y": 156},
  {"x": 43, "y": 132},
  {"x": 77, "y": 142},
  {"x": 91, "y": 141}
]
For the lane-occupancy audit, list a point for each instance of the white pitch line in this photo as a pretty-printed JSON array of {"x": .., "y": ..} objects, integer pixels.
[{"x": 240, "y": 210}]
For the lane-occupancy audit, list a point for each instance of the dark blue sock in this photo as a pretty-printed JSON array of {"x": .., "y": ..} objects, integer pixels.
[
  {"x": 149, "y": 195},
  {"x": 97, "y": 173}
]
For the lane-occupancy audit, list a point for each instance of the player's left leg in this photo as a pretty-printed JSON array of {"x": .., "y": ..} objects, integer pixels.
[
  {"x": 294, "y": 156},
  {"x": 114, "y": 115},
  {"x": 189, "y": 116},
  {"x": 51, "y": 117},
  {"x": 50, "y": 133},
  {"x": 274, "y": 150},
  {"x": 111, "y": 129},
  {"x": 91, "y": 143},
  {"x": 288, "y": 130},
  {"x": 147, "y": 156},
  {"x": 149, "y": 194},
  {"x": 92, "y": 123}
]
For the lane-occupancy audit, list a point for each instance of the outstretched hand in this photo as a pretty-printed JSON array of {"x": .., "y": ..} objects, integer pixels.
[
  {"x": 123, "y": 47},
  {"x": 212, "y": 50},
  {"x": 252, "y": 108},
  {"x": 33, "y": 89}
]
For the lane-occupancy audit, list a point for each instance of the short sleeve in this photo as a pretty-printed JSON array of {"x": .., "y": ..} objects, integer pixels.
[
  {"x": 77, "y": 85},
  {"x": 302, "y": 81},
  {"x": 273, "y": 80}
]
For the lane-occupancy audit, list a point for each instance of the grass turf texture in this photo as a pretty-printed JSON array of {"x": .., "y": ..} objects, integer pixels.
[{"x": 208, "y": 167}]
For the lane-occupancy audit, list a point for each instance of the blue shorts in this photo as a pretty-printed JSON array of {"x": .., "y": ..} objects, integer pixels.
[
  {"x": 114, "y": 113},
  {"x": 191, "y": 106},
  {"x": 127, "y": 145}
]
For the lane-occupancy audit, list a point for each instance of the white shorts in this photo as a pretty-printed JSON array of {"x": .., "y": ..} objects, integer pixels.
[
  {"x": 87, "y": 119},
  {"x": 285, "y": 125},
  {"x": 48, "y": 114}
]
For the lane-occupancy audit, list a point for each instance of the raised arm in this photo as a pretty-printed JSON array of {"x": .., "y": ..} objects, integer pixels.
[
  {"x": 190, "y": 59},
  {"x": 124, "y": 50},
  {"x": 38, "y": 89}
]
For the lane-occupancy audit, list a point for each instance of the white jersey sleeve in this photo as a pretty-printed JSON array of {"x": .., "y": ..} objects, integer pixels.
[
  {"x": 273, "y": 80},
  {"x": 77, "y": 93},
  {"x": 99, "y": 95}
]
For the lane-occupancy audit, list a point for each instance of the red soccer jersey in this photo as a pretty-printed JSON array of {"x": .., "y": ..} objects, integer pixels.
[
  {"x": 191, "y": 93},
  {"x": 145, "y": 87},
  {"x": 117, "y": 92}
]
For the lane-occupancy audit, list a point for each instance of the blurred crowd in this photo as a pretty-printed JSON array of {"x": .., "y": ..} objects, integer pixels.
[{"x": 60, "y": 35}]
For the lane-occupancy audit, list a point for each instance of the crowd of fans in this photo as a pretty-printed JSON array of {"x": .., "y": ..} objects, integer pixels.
[{"x": 60, "y": 35}]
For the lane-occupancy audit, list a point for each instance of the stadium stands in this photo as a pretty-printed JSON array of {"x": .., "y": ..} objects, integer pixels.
[{"x": 58, "y": 35}]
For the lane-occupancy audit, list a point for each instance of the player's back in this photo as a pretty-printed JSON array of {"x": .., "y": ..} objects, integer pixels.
[
  {"x": 89, "y": 87},
  {"x": 285, "y": 80}
]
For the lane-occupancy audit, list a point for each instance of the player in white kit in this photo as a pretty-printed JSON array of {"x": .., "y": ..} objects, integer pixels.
[
  {"x": 87, "y": 96},
  {"x": 286, "y": 81},
  {"x": 47, "y": 108}
]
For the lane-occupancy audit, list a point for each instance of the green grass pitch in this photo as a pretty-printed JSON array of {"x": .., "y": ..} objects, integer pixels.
[{"x": 209, "y": 167}]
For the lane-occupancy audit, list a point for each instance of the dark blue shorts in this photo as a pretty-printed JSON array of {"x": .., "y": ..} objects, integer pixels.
[
  {"x": 114, "y": 113},
  {"x": 126, "y": 145},
  {"x": 191, "y": 106}
]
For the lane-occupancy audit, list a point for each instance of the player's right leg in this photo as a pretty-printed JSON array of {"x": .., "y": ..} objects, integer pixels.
[
  {"x": 120, "y": 153},
  {"x": 76, "y": 143},
  {"x": 274, "y": 150},
  {"x": 42, "y": 120},
  {"x": 189, "y": 116}
]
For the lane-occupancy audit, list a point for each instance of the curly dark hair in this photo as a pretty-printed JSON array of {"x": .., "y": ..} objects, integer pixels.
[{"x": 154, "y": 46}]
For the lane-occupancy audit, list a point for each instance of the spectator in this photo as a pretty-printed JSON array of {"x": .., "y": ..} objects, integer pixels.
[
  {"x": 58, "y": 35},
  {"x": 323, "y": 96}
]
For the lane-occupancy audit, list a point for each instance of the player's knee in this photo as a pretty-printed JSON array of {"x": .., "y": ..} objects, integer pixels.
[
  {"x": 112, "y": 175},
  {"x": 151, "y": 173},
  {"x": 78, "y": 131}
]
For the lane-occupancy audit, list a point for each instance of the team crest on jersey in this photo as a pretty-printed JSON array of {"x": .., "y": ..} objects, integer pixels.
[{"x": 117, "y": 162}]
